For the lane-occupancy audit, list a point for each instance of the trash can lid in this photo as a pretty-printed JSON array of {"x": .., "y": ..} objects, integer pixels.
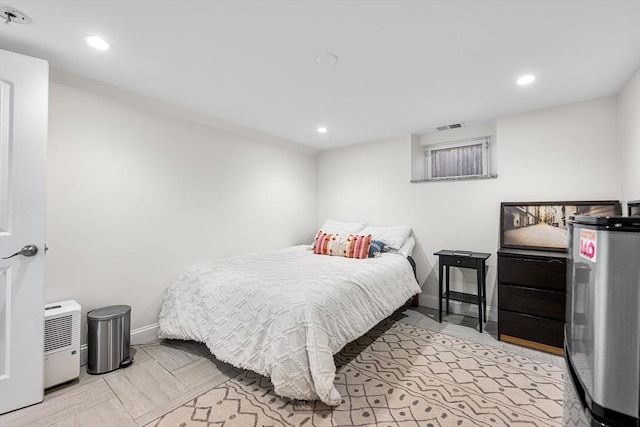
[{"x": 108, "y": 313}]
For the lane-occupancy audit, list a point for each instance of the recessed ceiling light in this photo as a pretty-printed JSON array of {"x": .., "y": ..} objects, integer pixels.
[
  {"x": 526, "y": 79},
  {"x": 97, "y": 42},
  {"x": 322, "y": 129}
]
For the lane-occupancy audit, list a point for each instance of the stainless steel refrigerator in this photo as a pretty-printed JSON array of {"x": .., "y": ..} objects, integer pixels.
[{"x": 602, "y": 330}]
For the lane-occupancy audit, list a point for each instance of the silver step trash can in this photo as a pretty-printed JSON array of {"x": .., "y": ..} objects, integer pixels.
[{"x": 109, "y": 339}]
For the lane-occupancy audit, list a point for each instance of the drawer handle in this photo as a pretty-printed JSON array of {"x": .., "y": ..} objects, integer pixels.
[{"x": 539, "y": 260}]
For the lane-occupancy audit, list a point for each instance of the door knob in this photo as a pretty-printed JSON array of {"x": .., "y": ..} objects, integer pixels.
[{"x": 29, "y": 250}]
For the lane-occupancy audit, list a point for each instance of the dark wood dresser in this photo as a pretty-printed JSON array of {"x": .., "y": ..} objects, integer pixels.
[{"x": 531, "y": 298}]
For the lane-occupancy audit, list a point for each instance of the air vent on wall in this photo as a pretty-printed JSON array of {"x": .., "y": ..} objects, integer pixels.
[{"x": 451, "y": 126}]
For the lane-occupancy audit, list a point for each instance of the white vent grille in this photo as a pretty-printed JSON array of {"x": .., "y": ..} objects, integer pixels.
[
  {"x": 61, "y": 332},
  {"x": 451, "y": 126}
]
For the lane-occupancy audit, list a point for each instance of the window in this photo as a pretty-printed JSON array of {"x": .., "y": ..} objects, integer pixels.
[{"x": 460, "y": 159}]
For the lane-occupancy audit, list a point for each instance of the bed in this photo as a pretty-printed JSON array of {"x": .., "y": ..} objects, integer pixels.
[{"x": 285, "y": 313}]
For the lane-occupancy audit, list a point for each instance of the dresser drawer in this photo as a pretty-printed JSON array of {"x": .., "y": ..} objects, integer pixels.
[
  {"x": 532, "y": 301},
  {"x": 537, "y": 273},
  {"x": 456, "y": 261},
  {"x": 531, "y": 328}
]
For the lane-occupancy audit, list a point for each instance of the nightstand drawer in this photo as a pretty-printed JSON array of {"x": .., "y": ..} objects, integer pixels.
[
  {"x": 456, "y": 261},
  {"x": 536, "y": 273},
  {"x": 532, "y": 301},
  {"x": 531, "y": 328}
]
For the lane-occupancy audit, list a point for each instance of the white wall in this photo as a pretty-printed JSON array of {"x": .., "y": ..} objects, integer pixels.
[
  {"x": 135, "y": 196},
  {"x": 563, "y": 153},
  {"x": 629, "y": 126}
]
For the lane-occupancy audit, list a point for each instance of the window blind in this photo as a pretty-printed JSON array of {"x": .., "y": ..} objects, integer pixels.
[{"x": 457, "y": 159}]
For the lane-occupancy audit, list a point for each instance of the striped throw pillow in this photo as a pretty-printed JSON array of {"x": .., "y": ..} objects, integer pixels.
[{"x": 351, "y": 246}]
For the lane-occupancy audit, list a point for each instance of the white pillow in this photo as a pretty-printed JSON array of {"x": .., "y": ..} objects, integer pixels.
[
  {"x": 407, "y": 249},
  {"x": 393, "y": 237},
  {"x": 339, "y": 227}
]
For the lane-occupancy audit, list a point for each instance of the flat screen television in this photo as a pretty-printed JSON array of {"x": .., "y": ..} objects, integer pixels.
[{"x": 544, "y": 225}]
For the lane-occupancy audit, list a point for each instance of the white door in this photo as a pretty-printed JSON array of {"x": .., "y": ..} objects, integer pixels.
[{"x": 24, "y": 94}]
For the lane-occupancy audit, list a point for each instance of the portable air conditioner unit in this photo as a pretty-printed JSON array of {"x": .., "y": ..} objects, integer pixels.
[{"x": 61, "y": 342}]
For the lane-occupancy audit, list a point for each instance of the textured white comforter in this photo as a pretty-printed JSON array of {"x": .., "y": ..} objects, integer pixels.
[{"x": 284, "y": 314}]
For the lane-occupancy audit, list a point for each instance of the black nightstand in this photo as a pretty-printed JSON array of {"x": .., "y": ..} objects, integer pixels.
[{"x": 463, "y": 259}]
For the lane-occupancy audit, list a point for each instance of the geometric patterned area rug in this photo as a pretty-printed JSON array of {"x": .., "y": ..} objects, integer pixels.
[{"x": 397, "y": 375}]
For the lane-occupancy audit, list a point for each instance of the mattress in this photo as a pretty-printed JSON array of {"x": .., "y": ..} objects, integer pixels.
[{"x": 285, "y": 313}]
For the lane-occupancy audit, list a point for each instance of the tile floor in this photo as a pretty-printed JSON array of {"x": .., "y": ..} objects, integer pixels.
[{"x": 168, "y": 374}]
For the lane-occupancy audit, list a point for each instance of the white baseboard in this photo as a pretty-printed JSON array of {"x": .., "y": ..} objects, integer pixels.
[
  {"x": 143, "y": 335},
  {"x": 84, "y": 354},
  {"x": 457, "y": 307}
]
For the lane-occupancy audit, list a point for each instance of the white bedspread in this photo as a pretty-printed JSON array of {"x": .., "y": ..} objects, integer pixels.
[{"x": 284, "y": 314}]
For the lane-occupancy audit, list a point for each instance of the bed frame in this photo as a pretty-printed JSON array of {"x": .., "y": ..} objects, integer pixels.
[{"x": 416, "y": 298}]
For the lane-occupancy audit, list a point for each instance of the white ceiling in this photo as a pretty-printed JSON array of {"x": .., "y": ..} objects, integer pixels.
[{"x": 404, "y": 66}]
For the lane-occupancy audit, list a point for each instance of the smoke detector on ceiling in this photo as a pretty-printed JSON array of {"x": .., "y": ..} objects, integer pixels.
[
  {"x": 13, "y": 16},
  {"x": 451, "y": 126},
  {"x": 327, "y": 59}
]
